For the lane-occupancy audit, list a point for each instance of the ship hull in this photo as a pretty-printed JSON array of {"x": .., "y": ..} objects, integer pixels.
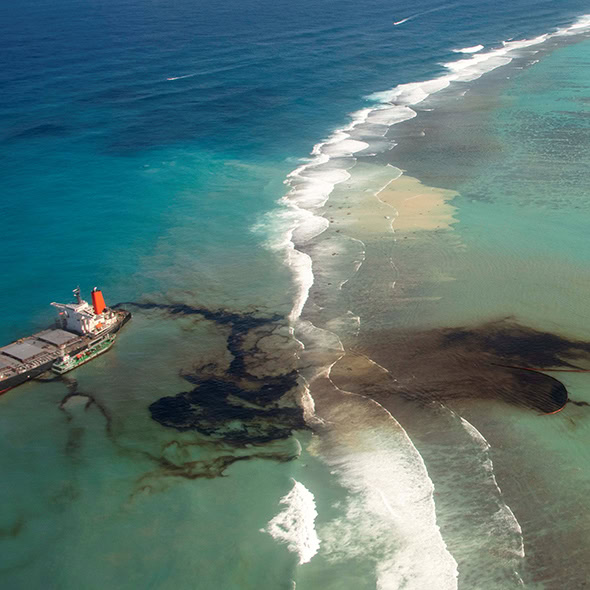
[
  {"x": 16, "y": 380},
  {"x": 21, "y": 378},
  {"x": 92, "y": 353}
]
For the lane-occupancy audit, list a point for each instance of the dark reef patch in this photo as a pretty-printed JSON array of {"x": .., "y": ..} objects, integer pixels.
[
  {"x": 501, "y": 360},
  {"x": 40, "y": 130}
]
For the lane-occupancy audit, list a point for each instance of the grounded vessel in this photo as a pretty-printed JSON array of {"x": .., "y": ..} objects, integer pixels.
[
  {"x": 82, "y": 332},
  {"x": 70, "y": 362}
]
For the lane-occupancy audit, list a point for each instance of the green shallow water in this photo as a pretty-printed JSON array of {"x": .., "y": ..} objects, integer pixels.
[
  {"x": 514, "y": 148},
  {"x": 519, "y": 246},
  {"x": 520, "y": 249},
  {"x": 526, "y": 218}
]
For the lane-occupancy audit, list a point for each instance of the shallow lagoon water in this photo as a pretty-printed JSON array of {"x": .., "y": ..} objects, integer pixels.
[{"x": 517, "y": 250}]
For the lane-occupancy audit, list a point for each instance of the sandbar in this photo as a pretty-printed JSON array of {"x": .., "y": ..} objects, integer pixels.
[{"x": 418, "y": 207}]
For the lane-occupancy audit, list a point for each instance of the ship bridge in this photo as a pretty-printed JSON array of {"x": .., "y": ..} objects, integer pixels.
[{"x": 81, "y": 317}]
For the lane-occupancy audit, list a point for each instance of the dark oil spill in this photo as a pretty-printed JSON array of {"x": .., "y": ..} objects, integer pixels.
[
  {"x": 240, "y": 406},
  {"x": 238, "y": 416},
  {"x": 200, "y": 469},
  {"x": 14, "y": 529},
  {"x": 90, "y": 400},
  {"x": 501, "y": 360},
  {"x": 239, "y": 410},
  {"x": 236, "y": 410}
]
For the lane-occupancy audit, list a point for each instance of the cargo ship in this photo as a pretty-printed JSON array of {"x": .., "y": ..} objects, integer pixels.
[{"x": 81, "y": 329}]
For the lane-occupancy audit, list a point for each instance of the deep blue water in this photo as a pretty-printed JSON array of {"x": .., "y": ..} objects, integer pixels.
[{"x": 105, "y": 162}]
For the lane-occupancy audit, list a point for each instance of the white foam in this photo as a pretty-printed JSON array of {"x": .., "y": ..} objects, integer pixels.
[
  {"x": 301, "y": 266},
  {"x": 344, "y": 147},
  {"x": 310, "y": 186},
  {"x": 295, "y": 525},
  {"x": 390, "y": 514},
  {"x": 411, "y": 93},
  {"x": 308, "y": 404},
  {"x": 468, "y": 69},
  {"x": 309, "y": 229},
  {"x": 473, "y": 49},
  {"x": 580, "y": 26},
  {"x": 390, "y": 115},
  {"x": 504, "y": 515},
  {"x": 181, "y": 77}
]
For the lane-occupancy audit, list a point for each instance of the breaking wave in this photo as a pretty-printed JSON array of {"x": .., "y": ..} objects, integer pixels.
[
  {"x": 331, "y": 160},
  {"x": 389, "y": 518},
  {"x": 295, "y": 525},
  {"x": 473, "y": 49},
  {"x": 390, "y": 489}
]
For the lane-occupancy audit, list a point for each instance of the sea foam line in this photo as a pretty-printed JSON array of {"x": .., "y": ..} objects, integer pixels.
[
  {"x": 295, "y": 524},
  {"x": 478, "y": 437},
  {"x": 504, "y": 512},
  {"x": 390, "y": 570},
  {"x": 392, "y": 511},
  {"x": 473, "y": 49},
  {"x": 468, "y": 69},
  {"x": 311, "y": 183}
]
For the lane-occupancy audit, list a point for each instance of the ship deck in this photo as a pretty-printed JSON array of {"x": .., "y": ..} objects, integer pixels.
[
  {"x": 29, "y": 357},
  {"x": 36, "y": 350}
]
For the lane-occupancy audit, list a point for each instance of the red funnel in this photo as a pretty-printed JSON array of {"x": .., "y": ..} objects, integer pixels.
[{"x": 98, "y": 301}]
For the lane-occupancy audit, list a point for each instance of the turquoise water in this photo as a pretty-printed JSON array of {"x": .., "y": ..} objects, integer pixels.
[
  {"x": 145, "y": 150},
  {"x": 524, "y": 206},
  {"x": 509, "y": 277},
  {"x": 517, "y": 250}
]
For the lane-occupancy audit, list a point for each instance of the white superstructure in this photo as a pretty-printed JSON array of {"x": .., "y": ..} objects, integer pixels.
[{"x": 82, "y": 318}]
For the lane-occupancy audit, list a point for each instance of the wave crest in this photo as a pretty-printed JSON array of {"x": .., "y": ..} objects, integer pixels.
[{"x": 295, "y": 525}]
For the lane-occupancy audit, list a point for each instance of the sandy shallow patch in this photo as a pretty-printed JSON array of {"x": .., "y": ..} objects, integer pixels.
[{"x": 418, "y": 207}]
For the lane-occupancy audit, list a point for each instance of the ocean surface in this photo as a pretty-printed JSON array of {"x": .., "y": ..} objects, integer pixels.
[{"x": 353, "y": 238}]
